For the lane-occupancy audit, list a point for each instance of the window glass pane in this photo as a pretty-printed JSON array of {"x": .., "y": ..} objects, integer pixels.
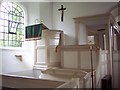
[
  {"x": 6, "y": 16},
  {"x": 14, "y": 37},
  {"x": 20, "y": 26},
  {"x": 10, "y": 43},
  {"x": 10, "y": 17},
  {"x": 14, "y": 5},
  {"x": 10, "y": 37},
  {"x": 19, "y": 9},
  {"x": 22, "y": 14},
  {"x": 6, "y": 43},
  {"x": 9, "y": 5},
  {"x": 20, "y": 38},
  {"x": 17, "y": 13},
  {"x": 2, "y": 22},
  {"x": 3, "y": 9},
  {"x": 14, "y": 18},
  {"x": 19, "y": 31},
  {"x": 1, "y": 36},
  {"x": 6, "y": 37},
  {"x": 5, "y": 23},
  {"x": 11, "y": 25},
  {"x": 14, "y": 43},
  {"x": 1, "y": 42},
  {"x": 2, "y": 15},
  {"x": 20, "y": 44},
  {"x": 6, "y": 29},
  {"x": 1, "y": 29},
  {"x": 13, "y": 30},
  {"x": 22, "y": 20},
  {"x": 19, "y": 19}
]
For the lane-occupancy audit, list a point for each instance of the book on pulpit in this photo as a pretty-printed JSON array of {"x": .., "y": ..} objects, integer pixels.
[{"x": 34, "y": 32}]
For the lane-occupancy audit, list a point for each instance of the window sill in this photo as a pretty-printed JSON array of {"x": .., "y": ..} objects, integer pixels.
[
  {"x": 11, "y": 48},
  {"x": 40, "y": 67}
]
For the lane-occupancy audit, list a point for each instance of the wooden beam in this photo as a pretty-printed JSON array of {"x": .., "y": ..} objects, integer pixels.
[
  {"x": 91, "y": 17},
  {"x": 111, "y": 9}
]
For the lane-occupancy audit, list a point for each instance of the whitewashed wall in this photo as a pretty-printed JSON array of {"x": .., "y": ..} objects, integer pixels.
[
  {"x": 0, "y": 61},
  {"x": 76, "y": 9},
  {"x": 0, "y": 55},
  {"x": 12, "y": 64},
  {"x": 0, "y": 65},
  {"x": 48, "y": 12},
  {"x": 116, "y": 64},
  {"x": 83, "y": 36},
  {"x": 9, "y": 62}
]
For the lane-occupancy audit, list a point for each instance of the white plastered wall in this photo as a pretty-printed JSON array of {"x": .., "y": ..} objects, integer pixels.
[
  {"x": 10, "y": 63},
  {"x": 76, "y": 9}
]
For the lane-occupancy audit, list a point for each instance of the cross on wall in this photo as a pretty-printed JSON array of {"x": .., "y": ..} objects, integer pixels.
[{"x": 62, "y": 12}]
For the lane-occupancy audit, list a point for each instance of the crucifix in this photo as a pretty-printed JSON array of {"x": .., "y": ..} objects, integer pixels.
[{"x": 62, "y": 13}]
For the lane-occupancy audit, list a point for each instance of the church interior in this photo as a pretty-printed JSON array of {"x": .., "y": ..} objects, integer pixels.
[{"x": 58, "y": 45}]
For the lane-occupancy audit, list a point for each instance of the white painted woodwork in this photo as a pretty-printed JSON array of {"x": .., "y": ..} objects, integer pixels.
[
  {"x": 95, "y": 22},
  {"x": 50, "y": 78},
  {"x": 0, "y": 82},
  {"x": 72, "y": 58},
  {"x": 22, "y": 82},
  {"x": 45, "y": 49},
  {"x": 78, "y": 56},
  {"x": 74, "y": 83},
  {"x": 101, "y": 69},
  {"x": 83, "y": 76}
]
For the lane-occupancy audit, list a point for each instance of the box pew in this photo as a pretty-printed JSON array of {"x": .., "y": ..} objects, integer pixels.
[
  {"x": 80, "y": 57},
  {"x": 84, "y": 77}
]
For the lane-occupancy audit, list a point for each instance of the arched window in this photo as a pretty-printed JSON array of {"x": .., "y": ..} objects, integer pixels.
[{"x": 11, "y": 25}]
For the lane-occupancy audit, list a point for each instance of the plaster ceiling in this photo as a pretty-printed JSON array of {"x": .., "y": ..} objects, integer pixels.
[{"x": 99, "y": 21}]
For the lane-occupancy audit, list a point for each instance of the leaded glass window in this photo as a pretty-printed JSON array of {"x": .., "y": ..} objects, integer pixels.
[{"x": 11, "y": 25}]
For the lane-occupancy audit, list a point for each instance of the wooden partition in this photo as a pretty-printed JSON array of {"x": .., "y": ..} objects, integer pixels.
[
  {"x": 78, "y": 56},
  {"x": 74, "y": 83},
  {"x": 101, "y": 69},
  {"x": 79, "y": 78},
  {"x": 45, "y": 49},
  {"x": 18, "y": 82}
]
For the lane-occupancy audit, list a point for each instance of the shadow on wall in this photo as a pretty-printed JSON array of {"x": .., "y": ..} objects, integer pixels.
[
  {"x": 118, "y": 44},
  {"x": 0, "y": 61},
  {"x": 69, "y": 40}
]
